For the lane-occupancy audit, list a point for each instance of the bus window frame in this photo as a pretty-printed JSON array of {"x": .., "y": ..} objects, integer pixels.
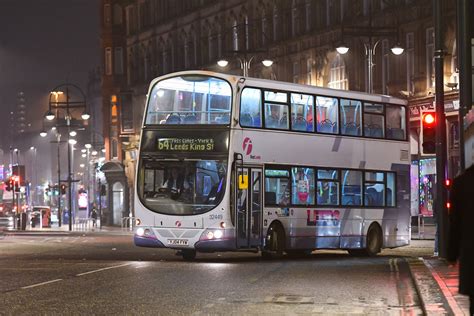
[
  {"x": 152, "y": 87},
  {"x": 314, "y": 131},
  {"x": 339, "y": 180}
]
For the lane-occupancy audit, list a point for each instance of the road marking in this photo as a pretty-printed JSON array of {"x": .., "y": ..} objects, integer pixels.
[
  {"x": 108, "y": 268},
  {"x": 39, "y": 284}
]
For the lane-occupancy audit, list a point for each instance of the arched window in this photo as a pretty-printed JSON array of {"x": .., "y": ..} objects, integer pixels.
[
  {"x": 235, "y": 35},
  {"x": 337, "y": 74},
  {"x": 275, "y": 23}
]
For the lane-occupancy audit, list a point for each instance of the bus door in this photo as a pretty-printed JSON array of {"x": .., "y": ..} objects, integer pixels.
[{"x": 249, "y": 207}]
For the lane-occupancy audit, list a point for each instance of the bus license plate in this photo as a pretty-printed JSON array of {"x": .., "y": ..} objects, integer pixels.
[{"x": 179, "y": 242}]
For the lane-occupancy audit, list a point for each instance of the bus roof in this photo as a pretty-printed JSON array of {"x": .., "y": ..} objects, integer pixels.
[{"x": 288, "y": 86}]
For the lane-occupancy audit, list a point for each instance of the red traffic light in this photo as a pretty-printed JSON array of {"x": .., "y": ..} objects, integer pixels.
[{"x": 429, "y": 119}]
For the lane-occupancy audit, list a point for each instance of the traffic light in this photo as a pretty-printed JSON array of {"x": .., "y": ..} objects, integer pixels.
[
  {"x": 428, "y": 133},
  {"x": 63, "y": 189}
]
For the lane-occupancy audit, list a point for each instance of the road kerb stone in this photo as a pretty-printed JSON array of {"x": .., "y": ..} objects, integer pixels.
[{"x": 431, "y": 296}]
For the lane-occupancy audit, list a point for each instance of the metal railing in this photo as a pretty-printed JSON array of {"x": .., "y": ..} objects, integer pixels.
[{"x": 128, "y": 223}]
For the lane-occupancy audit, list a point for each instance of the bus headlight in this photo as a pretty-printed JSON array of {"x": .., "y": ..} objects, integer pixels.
[
  {"x": 218, "y": 234},
  {"x": 210, "y": 235},
  {"x": 140, "y": 232}
]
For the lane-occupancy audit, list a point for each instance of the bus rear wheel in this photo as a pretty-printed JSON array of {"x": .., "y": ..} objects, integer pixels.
[
  {"x": 188, "y": 254},
  {"x": 373, "y": 243},
  {"x": 275, "y": 242}
]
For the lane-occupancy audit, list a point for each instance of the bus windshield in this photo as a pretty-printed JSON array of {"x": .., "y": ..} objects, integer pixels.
[
  {"x": 177, "y": 187},
  {"x": 195, "y": 99}
]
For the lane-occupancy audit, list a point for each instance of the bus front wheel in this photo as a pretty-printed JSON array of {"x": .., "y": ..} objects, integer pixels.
[{"x": 275, "y": 242}]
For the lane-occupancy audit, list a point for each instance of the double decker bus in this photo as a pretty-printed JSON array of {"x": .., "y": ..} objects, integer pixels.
[{"x": 230, "y": 163}]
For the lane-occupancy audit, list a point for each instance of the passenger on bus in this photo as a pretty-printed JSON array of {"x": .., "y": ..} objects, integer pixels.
[{"x": 273, "y": 120}]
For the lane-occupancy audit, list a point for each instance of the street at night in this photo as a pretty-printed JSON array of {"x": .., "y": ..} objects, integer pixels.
[
  {"x": 237, "y": 157},
  {"x": 106, "y": 274}
]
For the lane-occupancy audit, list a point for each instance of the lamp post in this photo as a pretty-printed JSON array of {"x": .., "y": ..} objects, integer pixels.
[
  {"x": 34, "y": 179},
  {"x": 69, "y": 106},
  {"x": 374, "y": 35}
]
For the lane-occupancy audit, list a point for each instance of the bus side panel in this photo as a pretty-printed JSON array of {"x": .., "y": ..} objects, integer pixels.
[{"x": 397, "y": 221}]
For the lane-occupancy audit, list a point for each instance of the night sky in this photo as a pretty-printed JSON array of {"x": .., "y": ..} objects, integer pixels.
[{"x": 44, "y": 43}]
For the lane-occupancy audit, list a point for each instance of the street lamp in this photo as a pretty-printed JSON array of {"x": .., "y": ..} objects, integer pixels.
[
  {"x": 74, "y": 99},
  {"x": 245, "y": 59},
  {"x": 371, "y": 33}
]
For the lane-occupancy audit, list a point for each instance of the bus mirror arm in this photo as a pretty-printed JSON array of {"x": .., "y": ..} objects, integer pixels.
[{"x": 239, "y": 163}]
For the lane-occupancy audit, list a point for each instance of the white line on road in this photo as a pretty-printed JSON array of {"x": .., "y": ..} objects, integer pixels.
[
  {"x": 39, "y": 284},
  {"x": 108, "y": 268}
]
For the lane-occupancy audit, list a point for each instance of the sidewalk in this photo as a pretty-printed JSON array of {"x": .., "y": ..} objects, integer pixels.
[
  {"x": 436, "y": 282},
  {"x": 77, "y": 229},
  {"x": 447, "y": 278}
]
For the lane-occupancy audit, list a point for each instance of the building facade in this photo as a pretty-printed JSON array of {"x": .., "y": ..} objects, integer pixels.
[{"x": 143, "y": 39}]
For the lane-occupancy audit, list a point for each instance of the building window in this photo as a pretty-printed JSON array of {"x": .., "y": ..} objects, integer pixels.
[
  {"x": 337, "y": 74},
  {"x": 118, "y": 60},
  {"x": 108, "y": 61},
  {"x": 294, "y": 18},
  {"x": 126, "y": 114},
  {"x": 296, "y": 72},
  {"x": 247, "y": 35},
  {"x": 410, "y": 44},
  {"x": 107, "y": 14},
  {"x": 309, "y": 18},
  {"x": 130, "y": 16},
  {"x": 430, "y": 57},
  {"x": 235, "y": 36},
  {"x": 309, "y": 71},
  {"x": 275, "y": 23},
  {"x": 114, "y": 147},
  {"x": 117, "y": 14},
  {"x": 385, "y": 66}
]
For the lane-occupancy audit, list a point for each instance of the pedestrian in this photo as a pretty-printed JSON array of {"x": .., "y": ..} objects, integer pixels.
[
  {"x": 94, "y": 216},
  {"x": 461, "y": 234}
]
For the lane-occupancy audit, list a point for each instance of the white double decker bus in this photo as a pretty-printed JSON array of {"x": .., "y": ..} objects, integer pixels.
[{"x": 228, "y": 163}]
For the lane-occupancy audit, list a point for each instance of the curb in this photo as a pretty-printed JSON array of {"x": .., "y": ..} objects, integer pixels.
[
  {"x": 431, "y": 296},
  {"x": 65, "y": 233}
]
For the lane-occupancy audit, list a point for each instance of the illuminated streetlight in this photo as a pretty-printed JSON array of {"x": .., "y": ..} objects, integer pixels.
[{"x": 49, "y": 115}]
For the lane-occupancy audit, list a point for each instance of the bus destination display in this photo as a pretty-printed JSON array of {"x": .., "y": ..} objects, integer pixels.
[{"x": 186, "y": 144}]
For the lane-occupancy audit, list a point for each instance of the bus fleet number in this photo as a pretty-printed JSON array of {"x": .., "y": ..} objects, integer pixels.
[{"x": 215, "y": 216}]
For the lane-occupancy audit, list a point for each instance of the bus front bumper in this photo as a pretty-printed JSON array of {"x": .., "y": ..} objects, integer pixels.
[{"x": 141, "y": 241}]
